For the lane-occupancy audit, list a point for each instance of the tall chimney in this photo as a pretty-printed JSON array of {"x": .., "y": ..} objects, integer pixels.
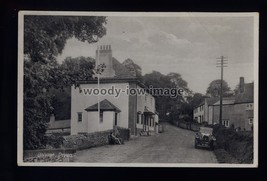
[
  {"x": 104, "y": 54},
  {"x": 241, "y": 84}
]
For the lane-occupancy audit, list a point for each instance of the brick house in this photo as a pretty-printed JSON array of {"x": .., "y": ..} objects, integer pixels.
[
  {"x": 136, "y": 112},
  {"x": 237, "y": 111}
]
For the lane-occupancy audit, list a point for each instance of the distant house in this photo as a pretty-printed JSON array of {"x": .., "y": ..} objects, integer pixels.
[
  {"x": 237, "y": 111},
  {"x": 136, "y": 112},
  {"x": 202, "y": 111},
  {"x": 227, "y": 111}
]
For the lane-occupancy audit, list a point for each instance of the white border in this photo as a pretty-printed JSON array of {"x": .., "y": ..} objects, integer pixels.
[{"x": 133, "y": 14}]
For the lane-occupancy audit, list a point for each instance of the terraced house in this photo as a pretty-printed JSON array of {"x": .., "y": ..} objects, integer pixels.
[
  {"x": 237, "y": 111},
  {"x": 136, "y": 112}
]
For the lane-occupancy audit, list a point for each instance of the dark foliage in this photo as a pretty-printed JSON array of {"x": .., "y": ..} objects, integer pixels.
[
  {"x": 237, "y": 144},
  {"x": 45, "y": 38}
]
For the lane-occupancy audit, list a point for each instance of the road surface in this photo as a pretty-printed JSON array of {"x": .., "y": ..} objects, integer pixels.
[{"x": 174, "y": 145}]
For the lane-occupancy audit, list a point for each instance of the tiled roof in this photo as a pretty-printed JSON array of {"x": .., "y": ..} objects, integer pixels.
[
  {"x": 105, "y": 105},
  {"x": 147, "y": 111},
  {"x": 212, "y": 100},
  {"x": 120, "y": 70},
  {"x": 59, "y": 124},
  {"x": 225, "y": 102},
  {"x": 247, "y": 95}
]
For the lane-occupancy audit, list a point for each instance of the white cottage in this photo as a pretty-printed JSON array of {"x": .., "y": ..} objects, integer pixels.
[{"x": 136, "y": 112}]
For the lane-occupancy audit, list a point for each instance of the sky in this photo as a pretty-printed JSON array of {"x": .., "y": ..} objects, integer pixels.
[{"x": 189, "y": 46}]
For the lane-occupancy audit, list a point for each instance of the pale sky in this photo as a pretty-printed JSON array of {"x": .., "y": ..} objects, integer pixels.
[{"x": 185, "y": 45}]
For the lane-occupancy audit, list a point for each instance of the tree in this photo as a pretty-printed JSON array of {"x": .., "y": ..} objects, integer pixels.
[
  {"x": 196, "y": 100},
  {"x": 70, "y": 71},
  {"x": 45, "y": 38},
  {"x": 166, "y": 104},
  {"x": 215, "y": 87},
  {"x": 192, "y": 102},
  {"x": 135, "y": 69},
  {"x": 179, "y": 82}
]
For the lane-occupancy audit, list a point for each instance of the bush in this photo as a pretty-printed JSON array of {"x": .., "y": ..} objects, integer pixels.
[
  {"x": 54, "y": 141},
  {"x": 238, "y": 144}
]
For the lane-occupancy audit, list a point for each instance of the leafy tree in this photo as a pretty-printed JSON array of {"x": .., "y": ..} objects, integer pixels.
[
  {"x": 179, "y": 82},
  {"x": 192, "y": 102},
  {"x": 75, "y": 69},
  {"x": 215, "y": 87},
  {"x": 45, "y": 38},
  {"x": 135, "y": 69},
  {"x": 166, "y": 104},
  {"x": 196, "y": 100}
]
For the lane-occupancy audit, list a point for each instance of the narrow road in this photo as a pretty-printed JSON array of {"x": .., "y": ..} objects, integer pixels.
[{"x": 174, "y": 145}]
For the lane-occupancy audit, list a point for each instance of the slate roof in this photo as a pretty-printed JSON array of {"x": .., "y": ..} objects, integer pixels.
[
  {"x": 147, "y": 111},
  {"x": 105, "y": 105},
  {"x": 212, "y": 100},
  {"x": 247, "y": 95},
  {"x": 120, "y": 70},
  {"x": 60, "y": 124},
  {"x": 225, "y": 102}
]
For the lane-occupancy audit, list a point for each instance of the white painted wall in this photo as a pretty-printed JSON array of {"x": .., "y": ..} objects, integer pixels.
[
  {"x": 143, "y": 101},
  {"x": 210, "y": 115},
  {"x": 79, "y": 102},
  {"x": 198, "y": 113}
]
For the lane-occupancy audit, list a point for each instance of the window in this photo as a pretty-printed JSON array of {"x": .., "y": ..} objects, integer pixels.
[
  {"x": 101, "y": 116},
  {"x": 138, "y": 118},
  {"x": 226, "y": 123},
  {"x": 250, "y": 120},
  {"x": 80, "y": 117},
  {"x": 116, "y": 119}
]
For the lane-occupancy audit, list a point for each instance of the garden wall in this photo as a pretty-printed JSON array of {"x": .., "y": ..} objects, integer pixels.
[
  {"x": 189, "y": 126},
  {"x": 88, "y": 140}
]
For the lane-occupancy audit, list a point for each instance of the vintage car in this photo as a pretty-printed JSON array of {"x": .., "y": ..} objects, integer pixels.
[{"x": 204, "y": 138}]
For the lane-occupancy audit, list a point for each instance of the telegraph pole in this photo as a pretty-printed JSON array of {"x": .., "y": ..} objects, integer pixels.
[{"x": 221, "y": 62}]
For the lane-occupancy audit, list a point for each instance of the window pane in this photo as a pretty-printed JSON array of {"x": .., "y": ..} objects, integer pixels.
[
  {"x": 101, "y": 117},
  {"x": 79, "y": 116}
]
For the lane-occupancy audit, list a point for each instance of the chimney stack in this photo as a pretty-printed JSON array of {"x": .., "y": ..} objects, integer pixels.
[
  {"x": 104, "y": 56},
  {"x": 241, "y": 84}
]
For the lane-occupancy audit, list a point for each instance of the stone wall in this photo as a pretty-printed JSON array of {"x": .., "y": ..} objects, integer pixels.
[
  {"x": 189, "y": 126},
  {"x": 88, "y": 140},
  {"x": 124, "y": 133}
]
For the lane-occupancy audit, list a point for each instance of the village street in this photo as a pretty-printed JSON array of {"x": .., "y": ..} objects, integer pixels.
[{"x": 174, "y": 145}]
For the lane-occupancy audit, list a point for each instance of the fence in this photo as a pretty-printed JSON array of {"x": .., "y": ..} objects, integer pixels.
[{"x": 188, "y": 125}]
